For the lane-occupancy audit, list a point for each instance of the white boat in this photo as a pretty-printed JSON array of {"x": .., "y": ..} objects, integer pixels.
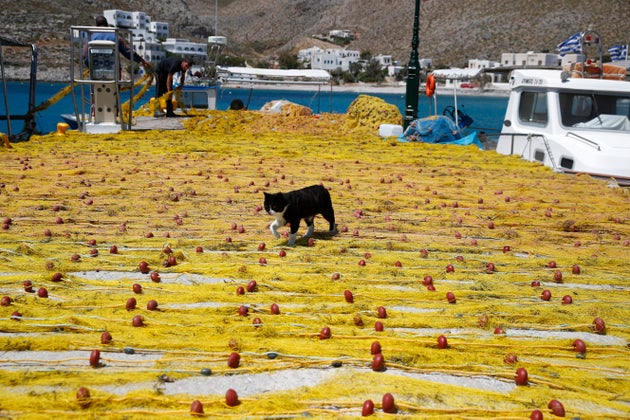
[{"x": 575, "y": 121}]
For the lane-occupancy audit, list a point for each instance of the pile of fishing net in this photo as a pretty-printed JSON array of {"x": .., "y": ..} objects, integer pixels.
[
  {"x": 286, "y": 108},
  {"x": 369, "y": 112}
]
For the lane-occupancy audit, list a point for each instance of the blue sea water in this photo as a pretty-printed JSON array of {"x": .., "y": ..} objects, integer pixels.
[{"x": 487, "y": 111}]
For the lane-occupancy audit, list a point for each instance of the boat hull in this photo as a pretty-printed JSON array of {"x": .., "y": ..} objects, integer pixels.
[{"x": 571, "y": 154}]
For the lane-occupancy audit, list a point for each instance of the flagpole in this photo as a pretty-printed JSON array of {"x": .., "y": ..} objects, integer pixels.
[
  {"x": 216, "y": 17},
  {"x": 413, "y": 67}
]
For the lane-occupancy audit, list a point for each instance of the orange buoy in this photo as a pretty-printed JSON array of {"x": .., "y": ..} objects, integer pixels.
[{"x": 430, "y": 85}]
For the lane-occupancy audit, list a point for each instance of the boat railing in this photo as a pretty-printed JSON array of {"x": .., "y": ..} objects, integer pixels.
[
  {"x": 584, "y": 140},
  {"x": 28, "y": 117},
  {"x": 513, "y": 136},
  {"x": 530, "y": 137}
]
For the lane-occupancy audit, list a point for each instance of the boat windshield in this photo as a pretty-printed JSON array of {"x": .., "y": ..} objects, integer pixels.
[{"x": 596, "y": 111}]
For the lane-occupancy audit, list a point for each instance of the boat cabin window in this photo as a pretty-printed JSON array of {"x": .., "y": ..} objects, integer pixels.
[
  {"x": 533, "y": 108},
  {"x": 595, "y": 111}
]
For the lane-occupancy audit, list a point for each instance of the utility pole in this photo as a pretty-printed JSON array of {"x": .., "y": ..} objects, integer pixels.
[{"x": 413, "y": 73}]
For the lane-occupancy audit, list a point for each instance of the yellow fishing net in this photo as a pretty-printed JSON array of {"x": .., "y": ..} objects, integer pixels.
[{"x": 188, "y": 203}]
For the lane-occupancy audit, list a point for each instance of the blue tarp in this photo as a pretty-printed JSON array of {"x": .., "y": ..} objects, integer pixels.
[{"x": 437, "y": 129}]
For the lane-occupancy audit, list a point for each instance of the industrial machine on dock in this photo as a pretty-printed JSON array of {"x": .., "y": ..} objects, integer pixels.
[{"x": 98, "y": 78}]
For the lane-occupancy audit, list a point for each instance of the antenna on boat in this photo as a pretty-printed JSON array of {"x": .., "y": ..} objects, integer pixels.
[{"x": 216, "y": 43}]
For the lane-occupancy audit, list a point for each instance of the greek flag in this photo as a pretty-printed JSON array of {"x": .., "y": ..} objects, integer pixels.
[
  {"x": 618, "y": 52},
  {"x": 570, "y": 45}
]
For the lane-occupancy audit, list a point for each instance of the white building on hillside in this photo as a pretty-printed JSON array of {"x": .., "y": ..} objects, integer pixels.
[
  {"x": 184, "y": 48},
  {"x": 153, "y": 52},
  {"x": 119, "y": 18},
  {"x": 160, "y": 29},
  {"x": 487, "y": 66},
  {"x": 425, "y": 63},
  {"x": 333, "y": 59},
  {"x": 305, "y": 55},
  {"x": 139, "y": 23},
  {"x": 571, "y": 59},
  {"x": 384, "y": 60},
  {"x": 482, "y": 64},
  {"x": 340, "y": 33},
  {"x": 394, "y": 69},
  {"x": 151, "y": 39},
  {"x": 146, "y": 33},
  {"x": 530, "y": 59}
]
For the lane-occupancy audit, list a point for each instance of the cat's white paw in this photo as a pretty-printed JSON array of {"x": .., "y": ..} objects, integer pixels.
[
  {"x": 274, "y": 230},
  {"x": 292, "y": 239}
]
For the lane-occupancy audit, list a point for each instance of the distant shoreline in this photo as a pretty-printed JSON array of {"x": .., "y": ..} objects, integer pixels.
[
  {"x": 365, "y": 88},
  {"x": 360, "y": 88},
  {"x": 55, "y": 76}
]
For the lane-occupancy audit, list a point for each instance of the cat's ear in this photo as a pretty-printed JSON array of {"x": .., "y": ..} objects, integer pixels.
[{"x": 266, "y": 194}]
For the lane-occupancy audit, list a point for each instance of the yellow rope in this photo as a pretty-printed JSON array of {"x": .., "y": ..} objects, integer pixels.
[
  {"x": 147, "y": 79},
  {"x": 56, "y": 97},
  {"x": 53, "y": 99}
]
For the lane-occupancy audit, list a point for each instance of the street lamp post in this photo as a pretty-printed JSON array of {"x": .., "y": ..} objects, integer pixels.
[{"x": 413, "y": 74}]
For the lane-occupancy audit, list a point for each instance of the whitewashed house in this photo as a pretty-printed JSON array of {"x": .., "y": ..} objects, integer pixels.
[
  {"x": 185, "y": 48},
  {"x": 333, "y": 59},
  {"x": 160, "y": 29},
  {"x": 340, "y": 33},
  {"x": 486, "y": 65},
  {"x": 151, "y": 39},
  {"x": 119, "y": 18},
  {"x": 530, "y": 59},
  {"x": 305, "y": 55},
  {"x": 384, "y": 60}
]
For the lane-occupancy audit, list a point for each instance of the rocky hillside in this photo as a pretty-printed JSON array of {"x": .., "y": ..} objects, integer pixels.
[{"x": 451, "y": 31}]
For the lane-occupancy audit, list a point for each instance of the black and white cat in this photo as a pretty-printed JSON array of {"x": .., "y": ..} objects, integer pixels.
[{"x": 293, "y": 206}]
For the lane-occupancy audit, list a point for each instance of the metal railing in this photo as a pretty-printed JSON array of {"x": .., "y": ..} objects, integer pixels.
[{"x": 530, "y": 139}]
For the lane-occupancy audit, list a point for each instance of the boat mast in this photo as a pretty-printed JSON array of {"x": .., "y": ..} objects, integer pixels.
[{"x": 413, "y": 67}]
